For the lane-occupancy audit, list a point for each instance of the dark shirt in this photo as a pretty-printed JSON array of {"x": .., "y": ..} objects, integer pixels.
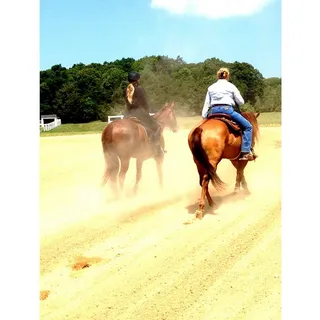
[{"x": 139, "y": 100}]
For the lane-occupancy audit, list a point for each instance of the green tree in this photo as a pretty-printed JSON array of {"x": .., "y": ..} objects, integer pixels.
[
  {"x": 248, "y": 80},
  {"x": 84, "y": 93}
]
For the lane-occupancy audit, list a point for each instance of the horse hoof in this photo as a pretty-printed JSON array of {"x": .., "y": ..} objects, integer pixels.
[{"x": 199, "y": 214}]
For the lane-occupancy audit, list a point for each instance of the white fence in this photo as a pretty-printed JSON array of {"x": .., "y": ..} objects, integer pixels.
[
  {"x": 111, "y": 118},
  {"x": 51, "y": 125}
]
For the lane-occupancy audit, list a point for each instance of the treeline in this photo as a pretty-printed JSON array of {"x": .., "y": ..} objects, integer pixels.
[{"x": 85, "y": 93}]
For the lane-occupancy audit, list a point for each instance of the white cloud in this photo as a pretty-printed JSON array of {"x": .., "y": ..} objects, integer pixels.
[{"x": 212, "y": 9}]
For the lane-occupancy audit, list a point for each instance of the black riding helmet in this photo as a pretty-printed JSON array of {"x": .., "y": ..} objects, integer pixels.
[{"x": 133, "y": 76}]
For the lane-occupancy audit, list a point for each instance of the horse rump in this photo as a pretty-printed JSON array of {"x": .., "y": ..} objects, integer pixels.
[
  {"x": 198, "y": 152},
  {"x": 111, "y": 159}
]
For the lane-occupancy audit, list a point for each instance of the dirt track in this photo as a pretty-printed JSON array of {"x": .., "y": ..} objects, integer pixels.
[{"x": 148, "y": 264}]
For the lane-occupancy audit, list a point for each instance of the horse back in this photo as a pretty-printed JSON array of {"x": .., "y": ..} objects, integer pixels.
[
  {"x": 123, "y": 129},
  {"x": 124, "y": 136}
]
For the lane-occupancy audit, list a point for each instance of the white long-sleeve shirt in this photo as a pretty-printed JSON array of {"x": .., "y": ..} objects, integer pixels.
[{"x": 222, "y": 92}]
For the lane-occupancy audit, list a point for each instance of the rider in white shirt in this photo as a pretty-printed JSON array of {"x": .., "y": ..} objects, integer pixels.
[{"x": 224, "y": 97}]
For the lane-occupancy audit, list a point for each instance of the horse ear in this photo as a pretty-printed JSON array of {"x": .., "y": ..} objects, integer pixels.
[
  {"x": 258, "y": 114},
  {"x": 172, "y": 104},
  {"x": 166, "y": 104}
]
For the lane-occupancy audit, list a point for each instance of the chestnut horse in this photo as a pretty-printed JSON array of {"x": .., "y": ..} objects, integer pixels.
[
  {"x": 127, "y": 138},
  {"x": 212, "y": 140}
]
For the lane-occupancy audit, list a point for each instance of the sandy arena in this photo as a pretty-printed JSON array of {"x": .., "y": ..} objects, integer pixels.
[{"x": 137, "y": 259}]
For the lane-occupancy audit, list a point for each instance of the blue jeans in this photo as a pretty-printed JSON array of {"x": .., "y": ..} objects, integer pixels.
[{"x": 243, "y": 122}]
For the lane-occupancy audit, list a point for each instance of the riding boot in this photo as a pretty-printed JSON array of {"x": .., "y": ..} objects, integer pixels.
[{"x": 157, "y": 143}]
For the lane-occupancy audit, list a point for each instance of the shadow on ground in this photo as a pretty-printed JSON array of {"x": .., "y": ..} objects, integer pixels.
[{"x": 218, "y": 201}]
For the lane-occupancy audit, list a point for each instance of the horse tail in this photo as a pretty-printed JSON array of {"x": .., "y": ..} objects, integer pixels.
[
  {"x": 201, "y": 156},
  {"x": 112, "y": 166},
  {"x": 111, "y": 159}
]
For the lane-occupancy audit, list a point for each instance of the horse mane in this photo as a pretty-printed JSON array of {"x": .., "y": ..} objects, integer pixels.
[
  {"x": 252, "y": 118},
  {"x": 160, "y": 112}
]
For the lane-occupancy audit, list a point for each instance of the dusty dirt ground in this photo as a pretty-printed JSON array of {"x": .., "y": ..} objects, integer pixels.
[{"x": 136, "y": 259}]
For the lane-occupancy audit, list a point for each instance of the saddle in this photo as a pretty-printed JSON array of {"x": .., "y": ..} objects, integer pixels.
[
  {"x": 149, "y": 131},
  {"x": 226, "y": 118}
]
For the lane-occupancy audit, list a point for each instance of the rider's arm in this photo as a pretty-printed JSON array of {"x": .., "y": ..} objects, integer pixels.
[
  {"x": 237, "y": 96},
  {"x": 206, "y": 106}
]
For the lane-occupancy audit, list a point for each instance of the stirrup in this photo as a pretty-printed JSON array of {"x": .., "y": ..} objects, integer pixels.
[
  {"x": 255, "y": 156},
  {"x": 247, "y": 157}
]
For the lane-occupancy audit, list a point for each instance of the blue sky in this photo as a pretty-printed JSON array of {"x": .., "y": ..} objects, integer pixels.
[{"x": 87, "y": 31}]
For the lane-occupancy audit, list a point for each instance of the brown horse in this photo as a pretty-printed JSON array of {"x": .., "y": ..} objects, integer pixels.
[
  {"x": 212, "y": 140},
  {"x": 127, "y": 138}
]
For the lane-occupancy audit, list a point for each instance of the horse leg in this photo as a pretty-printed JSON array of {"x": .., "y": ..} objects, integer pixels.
[
  {"x": 159, "y": 162},
  {"x": 111, "y": 171},
  {"x": 124, "y": 168},
  {"x": 138, "y": 174},
  {"x": 244, "y": 184},
  {"x": 114, "y": 183},
  {"x": 202, "y": 172},
  {"x": 204, "y": 192},
  {"x": 210, "y": 201},
  {"x": 240, "y": 180}
]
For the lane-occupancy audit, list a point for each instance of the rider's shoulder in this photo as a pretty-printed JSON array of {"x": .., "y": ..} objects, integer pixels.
[
  {"x": 231, "y": 85},
  {"x": 140, "y": 90},
  {"x": 220, "y": 83},
  {"x": 212, "y": 86}
]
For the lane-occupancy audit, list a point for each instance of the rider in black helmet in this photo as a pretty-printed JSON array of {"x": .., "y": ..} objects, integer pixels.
[{"x": 137, "y": 106}]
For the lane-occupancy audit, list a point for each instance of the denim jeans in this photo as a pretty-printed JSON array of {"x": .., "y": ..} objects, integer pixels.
[{"x": 243, "y": 123}]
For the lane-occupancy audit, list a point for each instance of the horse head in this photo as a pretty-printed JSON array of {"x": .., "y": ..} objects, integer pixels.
[{"x": 167, "y": 117}]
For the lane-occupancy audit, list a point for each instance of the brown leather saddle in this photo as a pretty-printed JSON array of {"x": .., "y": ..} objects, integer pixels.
[{"x": 226, "y": 118}]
